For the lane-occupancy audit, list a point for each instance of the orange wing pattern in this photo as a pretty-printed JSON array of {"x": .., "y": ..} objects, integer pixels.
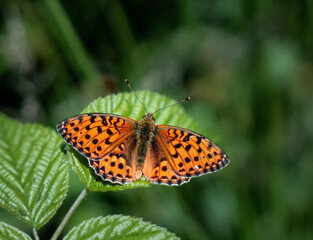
[
  {"x": 119, "y": 165},
  {"x": 157, "y": 168},
  {"x": 110, "y": 143},
  {"x": 188, "y": 155},
  {"x": 104, "y": 139}
]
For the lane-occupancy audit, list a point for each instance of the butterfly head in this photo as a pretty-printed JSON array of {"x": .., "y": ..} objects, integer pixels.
[{"x": 149, "y": 116}]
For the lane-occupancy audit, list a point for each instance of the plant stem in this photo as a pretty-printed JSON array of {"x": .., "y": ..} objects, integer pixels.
[
  {"x": 69, "y": 214},
  {"x": 71, "y": 42},
  {"x": 35, "y": 234}
]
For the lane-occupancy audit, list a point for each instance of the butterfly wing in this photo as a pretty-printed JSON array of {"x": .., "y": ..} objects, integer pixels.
[
  {"x": 157, "y": 168},
  {"x": 105, "y": 139},
  {"x": 187, "y": 153},
  {"x": 118, "y": 166}
]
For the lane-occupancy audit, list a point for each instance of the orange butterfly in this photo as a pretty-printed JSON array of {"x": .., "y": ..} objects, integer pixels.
[{"x": 121, "y": 149}]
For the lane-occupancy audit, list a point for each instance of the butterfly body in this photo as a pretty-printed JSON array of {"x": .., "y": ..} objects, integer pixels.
[
  {"x": 121, "y": 149},
  {"x": 144, "y": 133}
]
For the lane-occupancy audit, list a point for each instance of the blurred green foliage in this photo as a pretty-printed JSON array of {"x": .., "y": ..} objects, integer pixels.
[{"x": 247, "y": 66}]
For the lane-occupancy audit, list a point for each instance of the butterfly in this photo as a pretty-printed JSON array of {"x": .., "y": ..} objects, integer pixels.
[{"x": 121, "y": 149}]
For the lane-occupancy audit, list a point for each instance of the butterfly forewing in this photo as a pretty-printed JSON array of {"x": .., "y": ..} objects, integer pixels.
[{"x": 190, "y": 154}]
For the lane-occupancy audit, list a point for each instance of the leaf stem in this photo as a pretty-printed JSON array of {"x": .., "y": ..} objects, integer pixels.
[
  {"x": 35, "y": 234},
  {"x": 69, "y": 214}
]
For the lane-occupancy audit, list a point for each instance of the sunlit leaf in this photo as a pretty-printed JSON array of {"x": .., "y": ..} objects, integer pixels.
[
  {"x": 118, "y": 227},
  {"x": 33, "y": 173},
  {"x": 9, "y": 232}
]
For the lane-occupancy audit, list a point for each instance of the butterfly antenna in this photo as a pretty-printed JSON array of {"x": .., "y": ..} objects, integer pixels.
[
  {"x": 184, "y": 100},
  {"x": 127, "y": 82}
]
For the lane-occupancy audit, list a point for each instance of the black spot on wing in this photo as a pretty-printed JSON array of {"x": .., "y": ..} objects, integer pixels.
[
  {"x": 187, "y": 137},
  {"x": 92, "y": 119}
]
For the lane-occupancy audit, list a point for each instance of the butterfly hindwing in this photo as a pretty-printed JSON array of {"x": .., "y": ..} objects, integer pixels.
[
  {"x": 157, "y": 168},
  {"x": 118, "y": 166},
  {"x": 188, "y": 153}
]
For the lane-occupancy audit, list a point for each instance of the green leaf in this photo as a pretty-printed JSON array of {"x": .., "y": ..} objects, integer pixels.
[
  {"x": 9, "y": 232},
  {"x": 118, "y": 227},
  {"x": 33, "y": 171},
  {"x": 126, "y": 104}
]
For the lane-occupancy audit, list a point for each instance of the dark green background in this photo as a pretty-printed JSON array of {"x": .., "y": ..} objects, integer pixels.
[{"x": 247, "y": 66}]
